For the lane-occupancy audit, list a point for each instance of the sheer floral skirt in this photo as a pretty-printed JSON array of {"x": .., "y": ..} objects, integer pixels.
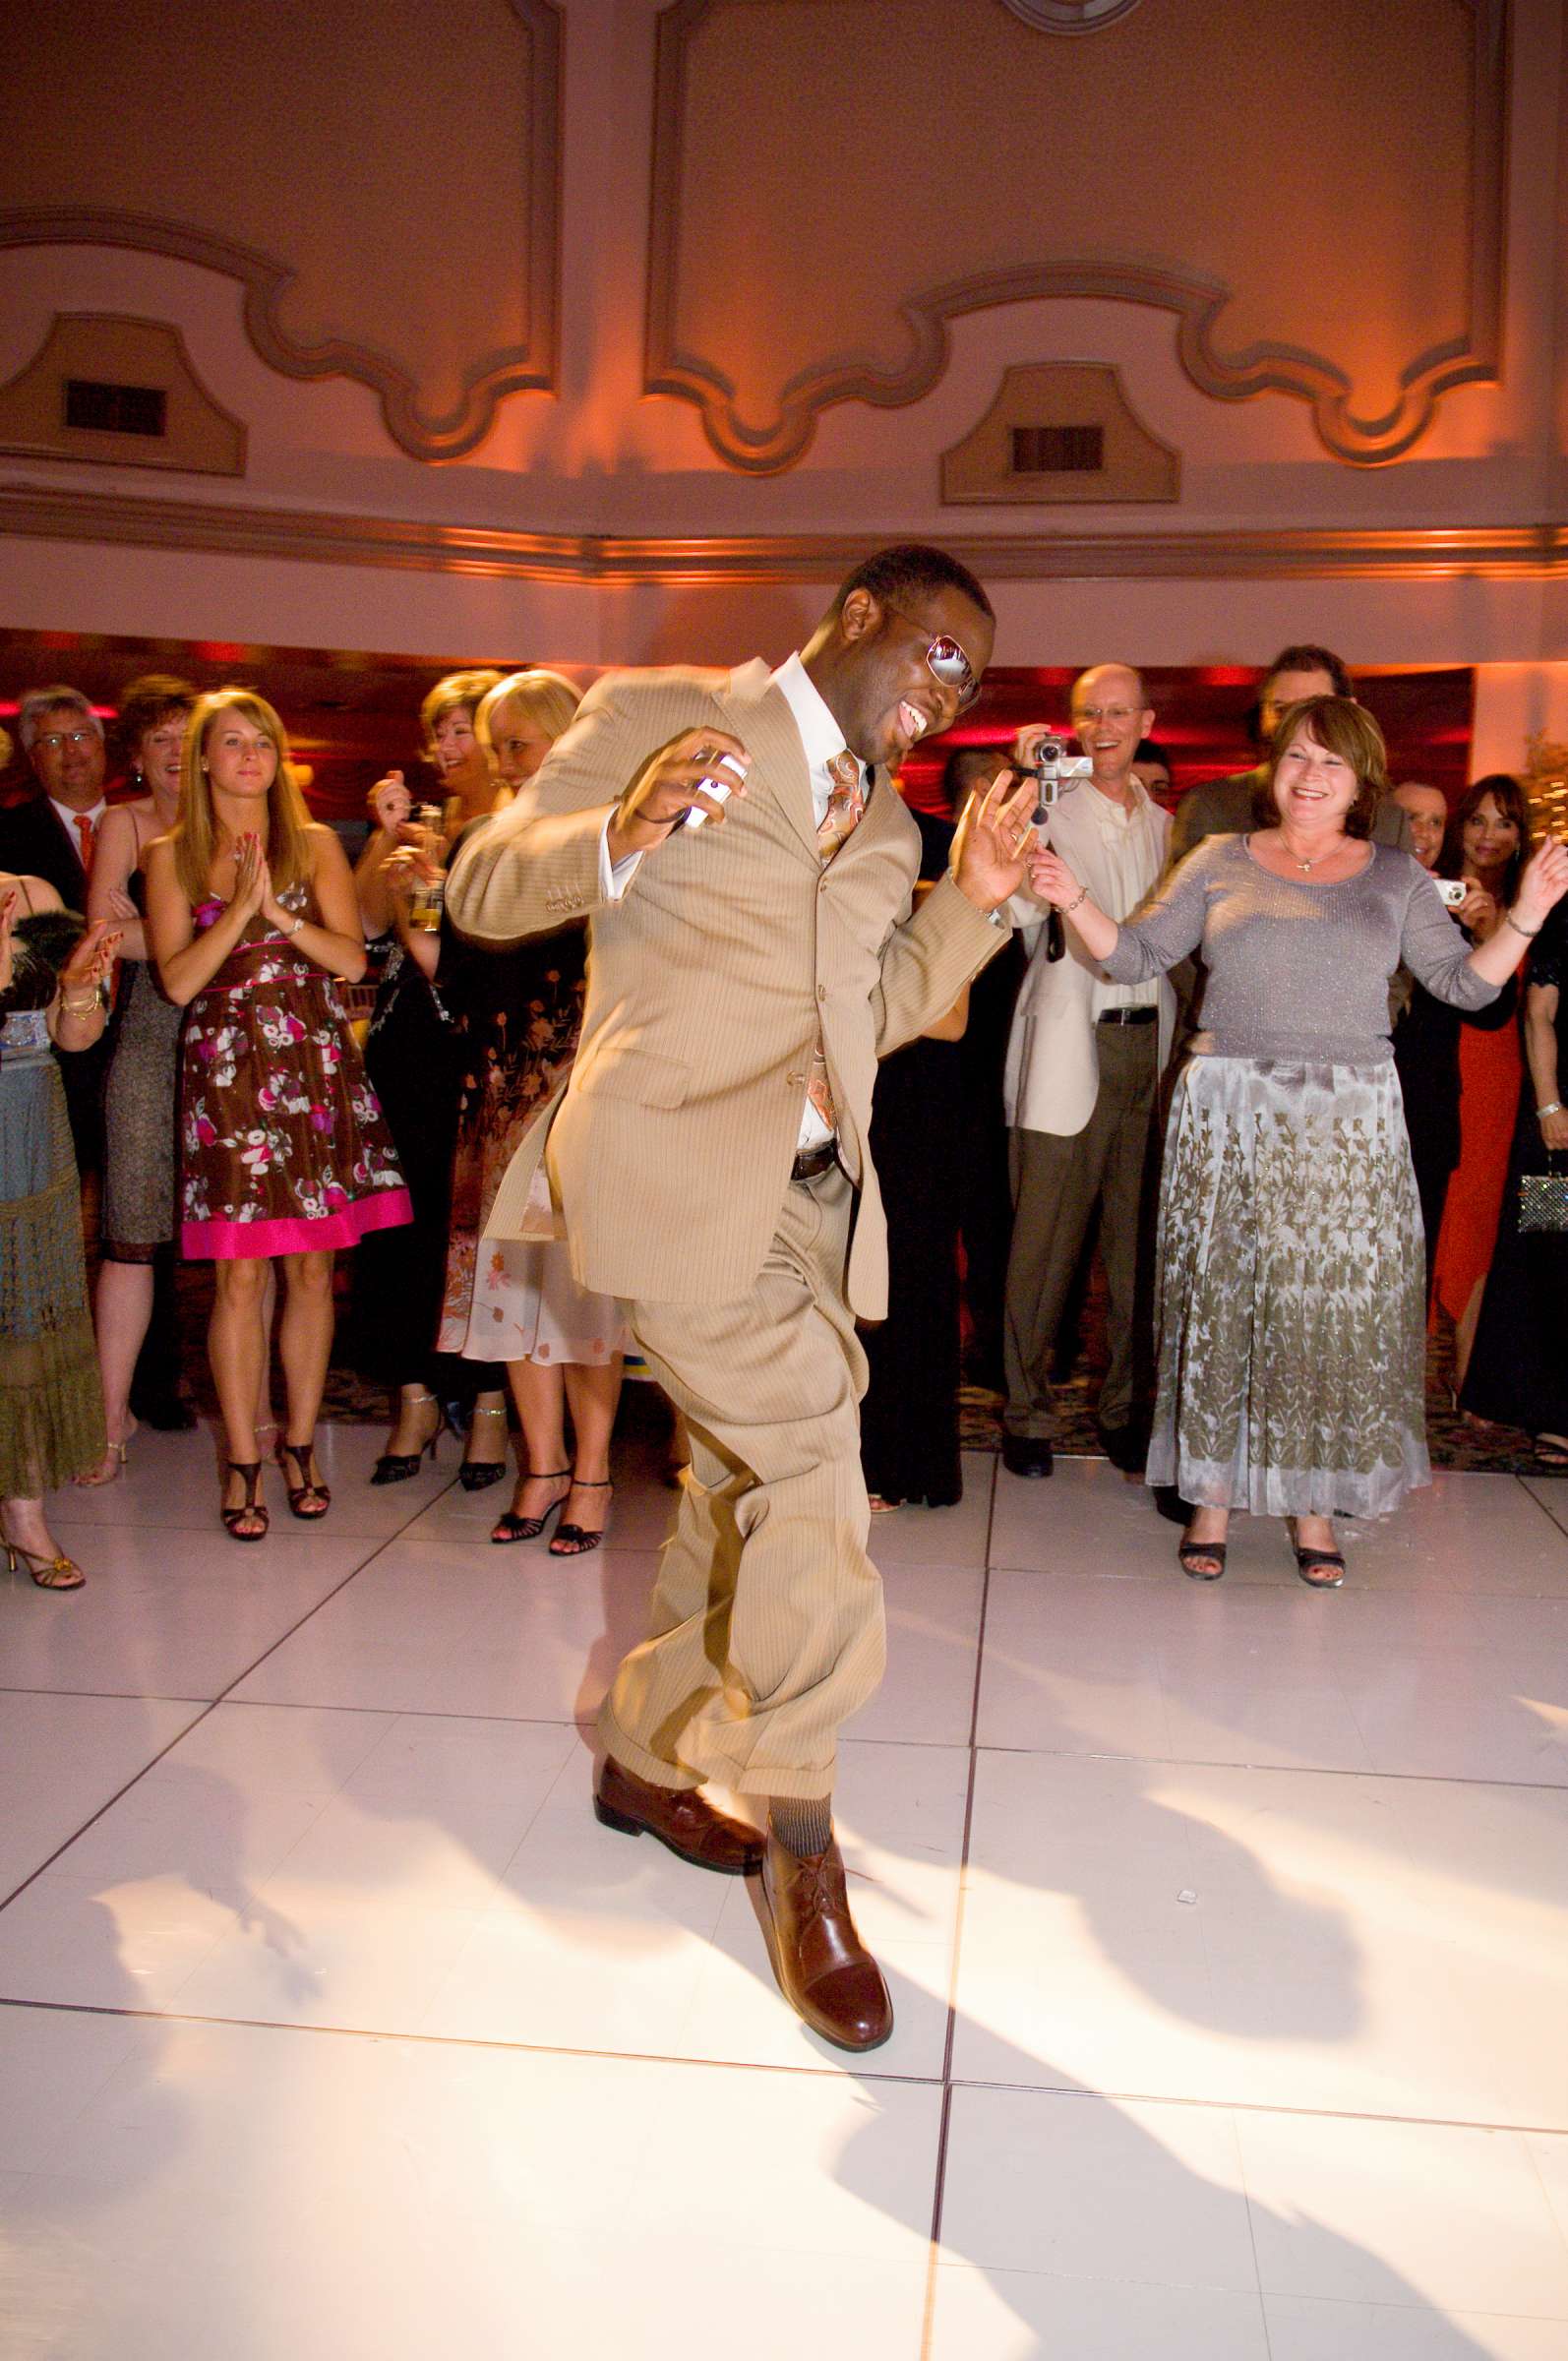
[{"x": 1292, "y": 1284}]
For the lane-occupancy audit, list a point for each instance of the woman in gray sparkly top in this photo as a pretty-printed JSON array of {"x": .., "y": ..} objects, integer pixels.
[{"x": 1292, "y": 1286}]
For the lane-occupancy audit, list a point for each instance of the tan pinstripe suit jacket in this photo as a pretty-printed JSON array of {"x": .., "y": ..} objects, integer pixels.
[{"x": 671, "y": 1151}]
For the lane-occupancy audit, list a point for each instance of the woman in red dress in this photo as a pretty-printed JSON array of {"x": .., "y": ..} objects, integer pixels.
[{"x": 1487, "y": 845}]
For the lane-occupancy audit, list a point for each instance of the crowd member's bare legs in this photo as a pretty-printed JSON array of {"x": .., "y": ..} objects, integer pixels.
[
  {"x": 418, "y": 1421},
  {"x": 236, "y": 1344},
  {"x": 304, "y": 1346},
  {"x": 237, "y": 1338},
  {"x": 122, "y": 1308},
  {"x": 574, "y": 1481}
]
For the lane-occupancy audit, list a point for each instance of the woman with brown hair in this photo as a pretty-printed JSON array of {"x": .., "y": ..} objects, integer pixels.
[
  {"x": 1291, "y": 1288},
  {"x": 283, "y": 1149},
  {"x": 1487, "y": 844},
  {"x": 411, "y": 1055},
  {"x": 141, "y": 1091}
]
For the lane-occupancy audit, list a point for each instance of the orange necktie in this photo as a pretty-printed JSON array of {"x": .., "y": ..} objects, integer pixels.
[
  {"x": 88, "y": 830},
  {"x": 846, "y": 803}
]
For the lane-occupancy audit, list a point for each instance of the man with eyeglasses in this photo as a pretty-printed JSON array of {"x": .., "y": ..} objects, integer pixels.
[
  {"x": 737, "y": 845},
  {"x": 51, "y": 834},
  {"x": 1084, "y": 1061}
]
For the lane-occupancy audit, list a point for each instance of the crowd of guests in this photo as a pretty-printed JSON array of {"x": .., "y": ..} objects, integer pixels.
[
  {"x": 1181, "y": 1063},
  {"x": 1206, "y": 1062},
  {"x": 184, "y": 948}
]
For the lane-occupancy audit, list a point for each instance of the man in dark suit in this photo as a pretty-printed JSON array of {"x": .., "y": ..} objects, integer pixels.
[{"x": 50, "y": 835}]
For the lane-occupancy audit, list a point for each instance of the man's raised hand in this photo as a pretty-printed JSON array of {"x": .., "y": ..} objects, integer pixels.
[
  {"x": 992, "y": 845},
  {"x": 673, "y": 782}
]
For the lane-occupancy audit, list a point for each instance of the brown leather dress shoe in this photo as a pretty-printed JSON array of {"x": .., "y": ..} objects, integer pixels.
[
  {"x": 679, "y": 1817},
  {"x": 824, "y": 1969}
]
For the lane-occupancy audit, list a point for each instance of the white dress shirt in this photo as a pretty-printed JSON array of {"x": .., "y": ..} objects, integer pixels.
[{"x": 1132, "y": 846}]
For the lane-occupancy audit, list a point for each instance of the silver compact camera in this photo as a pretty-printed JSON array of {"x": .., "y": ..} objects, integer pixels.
[
  {"x": 1056, "y": 768},
  {"x": 1453, "y": 892}
]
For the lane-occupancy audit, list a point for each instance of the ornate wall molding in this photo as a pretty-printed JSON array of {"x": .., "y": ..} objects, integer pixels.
[
  {"x": 1070, "y": 16},
  {"x": 1511, "y": 551},
  {"x": 528, "y": 364},
  {"x": 1198, "y": 299},
  {"x": 197, "y": 434}
]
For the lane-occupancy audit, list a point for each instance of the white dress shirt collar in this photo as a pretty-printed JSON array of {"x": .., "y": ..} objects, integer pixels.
[
  {"x": 68, "y": 816},
  {"x": 820, "y": 735}
]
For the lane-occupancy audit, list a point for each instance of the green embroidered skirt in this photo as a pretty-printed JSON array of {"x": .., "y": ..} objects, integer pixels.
[
  {"x": 51, "y": 1411},
  {"x": 1291, "y": 1292}
]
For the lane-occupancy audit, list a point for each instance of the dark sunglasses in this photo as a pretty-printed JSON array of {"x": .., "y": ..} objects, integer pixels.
[{"x": 946, "y": 660}]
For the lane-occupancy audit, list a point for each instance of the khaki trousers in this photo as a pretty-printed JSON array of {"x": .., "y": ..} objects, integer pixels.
[
  {"x": 766, "y": 1624},
  {"x": 1057, "y": 1184}
]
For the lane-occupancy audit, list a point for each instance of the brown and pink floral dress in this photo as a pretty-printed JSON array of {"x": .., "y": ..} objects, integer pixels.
[{"x": 283, "y": 1146}]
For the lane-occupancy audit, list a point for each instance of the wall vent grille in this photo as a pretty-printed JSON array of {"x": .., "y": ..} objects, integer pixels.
[
  {"x": 106, "y": 409},
  {"x": 1058, "y": 450}
]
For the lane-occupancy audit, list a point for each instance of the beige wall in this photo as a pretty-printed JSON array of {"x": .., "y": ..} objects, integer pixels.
[{"x": 410, "y": 184}]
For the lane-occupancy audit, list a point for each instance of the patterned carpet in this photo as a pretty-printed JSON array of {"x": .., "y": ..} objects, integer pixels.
[{"x": 1454, "y": 1439}]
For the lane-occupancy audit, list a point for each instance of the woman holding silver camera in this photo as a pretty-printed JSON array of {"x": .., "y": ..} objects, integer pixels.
[{"x": 1290, "y": 1285}]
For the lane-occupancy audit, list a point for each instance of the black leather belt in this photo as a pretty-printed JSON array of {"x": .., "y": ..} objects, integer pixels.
[
  {"x": 811, "y": 1163},
  {"x": 1127, "y": 1016}
]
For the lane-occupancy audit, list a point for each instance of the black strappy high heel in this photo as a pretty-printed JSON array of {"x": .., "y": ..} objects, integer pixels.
[
  {"x": 575, "y": 1541},
  {"x": 510, "y": 1526},
  {"x": 397, "y": 1467},
  {"x": 309, "y": 1499},
  {"x": 478, "y": 1475},
  {"x": 252, "y": 1505}
]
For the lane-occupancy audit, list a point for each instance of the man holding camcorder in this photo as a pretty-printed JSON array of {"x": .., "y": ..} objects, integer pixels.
[{"x": 1083, "y": 1068}]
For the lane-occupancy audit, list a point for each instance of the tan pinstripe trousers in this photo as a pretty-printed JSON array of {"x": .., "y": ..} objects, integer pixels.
[{"x": 766, "y": 1625}]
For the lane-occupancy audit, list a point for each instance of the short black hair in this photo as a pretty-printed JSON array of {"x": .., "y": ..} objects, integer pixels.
[
  {"x": 963, "y": 767},
  {"x": 1151, "y": 751},
  {"x": 1310, "y": 658},
  {"x": 912, "y": 570}
]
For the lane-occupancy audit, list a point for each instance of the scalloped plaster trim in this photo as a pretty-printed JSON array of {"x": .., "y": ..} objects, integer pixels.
[
  {"x": 265, "y": 280},
  {"x": 1514, "y": 552},
  {"x": 1198, "y": 301}
]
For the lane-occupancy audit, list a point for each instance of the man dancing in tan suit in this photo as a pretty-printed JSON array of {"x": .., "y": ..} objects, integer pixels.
[{"x": 710, "y": 1157}]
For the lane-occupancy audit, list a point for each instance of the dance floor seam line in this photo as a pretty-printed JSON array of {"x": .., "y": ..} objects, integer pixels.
[
  {"x": 940, "y": 2168},
  {"x": 208, "y": 1707},
  {"x": 825, "y": 2072},
  {"x": 1056, "y": 2092},
  {"x": 1188, "y": 1762}
]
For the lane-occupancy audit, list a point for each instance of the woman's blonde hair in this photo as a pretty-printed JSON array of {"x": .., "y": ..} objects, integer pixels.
[
  {"x": 1344, "y": 728},
  {"x": 549, "y": 701},
  {"x": 455, "y": 688},
  {"x": 195, "y": 831}
]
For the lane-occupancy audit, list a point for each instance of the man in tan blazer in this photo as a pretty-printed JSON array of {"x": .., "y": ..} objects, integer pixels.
[{"x": 710, "y": 1157}]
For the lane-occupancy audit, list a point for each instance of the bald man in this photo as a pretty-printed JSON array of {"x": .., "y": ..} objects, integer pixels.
[{"x": 1083, "y": 1066}]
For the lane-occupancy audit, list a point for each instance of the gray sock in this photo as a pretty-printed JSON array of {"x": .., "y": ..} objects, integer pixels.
[{"x": 802, "y": 1826}]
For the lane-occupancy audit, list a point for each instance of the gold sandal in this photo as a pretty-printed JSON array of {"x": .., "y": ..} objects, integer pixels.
[{"x": 57, "y": 1573}]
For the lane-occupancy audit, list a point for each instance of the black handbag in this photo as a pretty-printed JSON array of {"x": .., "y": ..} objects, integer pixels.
[{"x": 1543, "y": 1196}]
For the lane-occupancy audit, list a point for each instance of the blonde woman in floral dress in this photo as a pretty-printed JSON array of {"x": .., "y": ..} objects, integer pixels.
[{"x": 283, "y": 1151}]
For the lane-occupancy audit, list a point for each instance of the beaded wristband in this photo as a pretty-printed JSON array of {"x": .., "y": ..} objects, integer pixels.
[{"x": 1529, "y": 933}]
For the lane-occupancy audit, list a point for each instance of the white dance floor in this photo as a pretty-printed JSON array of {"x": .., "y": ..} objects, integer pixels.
[{"x": 1227, "y": 1930}]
